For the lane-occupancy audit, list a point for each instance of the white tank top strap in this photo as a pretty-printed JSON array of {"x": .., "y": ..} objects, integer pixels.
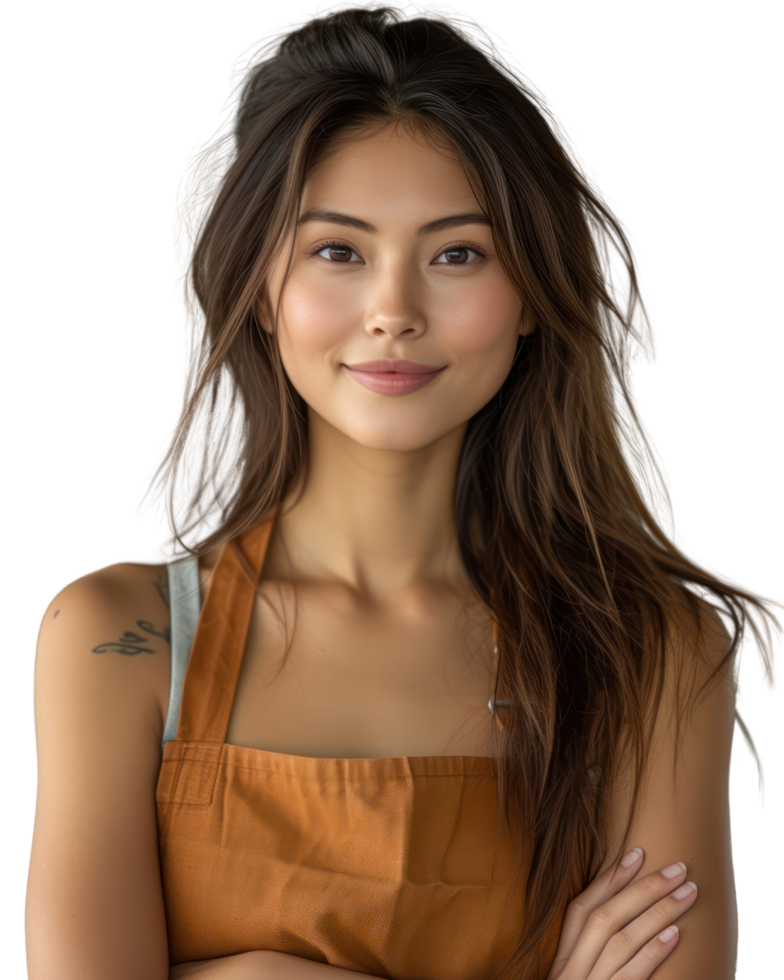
[{"x": 185, "y": 605}]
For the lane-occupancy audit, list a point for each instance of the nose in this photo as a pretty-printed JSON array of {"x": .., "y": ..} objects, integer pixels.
[{"x": 393, "y": 310}]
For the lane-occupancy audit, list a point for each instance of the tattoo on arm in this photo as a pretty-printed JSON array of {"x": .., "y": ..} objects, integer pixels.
[{"x": 132, "y": 643}]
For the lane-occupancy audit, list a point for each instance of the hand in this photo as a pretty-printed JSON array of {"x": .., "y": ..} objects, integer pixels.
[
  {"x": 243, "y": 966},
  {"x": 612, "y": 929}
]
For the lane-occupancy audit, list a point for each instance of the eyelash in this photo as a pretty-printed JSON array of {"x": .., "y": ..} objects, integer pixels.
[{"x": 470, "y": 246}]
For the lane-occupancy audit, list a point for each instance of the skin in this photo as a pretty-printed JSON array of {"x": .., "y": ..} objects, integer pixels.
[{"x": 382, "y": 469}]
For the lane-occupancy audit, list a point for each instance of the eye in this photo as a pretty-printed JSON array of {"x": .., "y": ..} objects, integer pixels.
[
  {"x": 334, "y": 247},
  {"x": 458, "y": 255},
  {"x": 343, "y": 253},
  {"x": 462, "y": 247}
]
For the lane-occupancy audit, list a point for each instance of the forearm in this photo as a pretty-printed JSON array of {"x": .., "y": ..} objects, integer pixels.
[
  {"x": 262, "y": 965},
  {"x": 282, "y": 966}
]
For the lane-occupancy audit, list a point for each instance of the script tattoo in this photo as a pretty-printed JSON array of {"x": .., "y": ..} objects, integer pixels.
[{"x": 131, "y": 643}]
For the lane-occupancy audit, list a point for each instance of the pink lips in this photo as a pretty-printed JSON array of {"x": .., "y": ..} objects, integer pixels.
[{"x": 393, "y": 376}]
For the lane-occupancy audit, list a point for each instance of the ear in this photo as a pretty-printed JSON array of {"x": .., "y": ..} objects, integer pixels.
[
  {"x": 527, "y": 322},
  {"x": 262, "y": 313}
]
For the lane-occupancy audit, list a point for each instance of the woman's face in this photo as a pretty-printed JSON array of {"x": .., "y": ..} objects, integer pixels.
[{"x": 396, "y": 320}]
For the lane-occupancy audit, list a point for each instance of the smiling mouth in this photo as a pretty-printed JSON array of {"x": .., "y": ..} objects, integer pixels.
[{"x": 393, "y": 382}]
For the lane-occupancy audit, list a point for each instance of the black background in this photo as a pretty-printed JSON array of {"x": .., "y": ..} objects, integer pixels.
[{"x": 679, "y": 131}]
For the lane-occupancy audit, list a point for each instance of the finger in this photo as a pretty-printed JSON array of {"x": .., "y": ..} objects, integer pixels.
[
  {"x": 643, "y": 964},
  {"x": 601, "y": 889},
  {"x": 640, "y": 933}
]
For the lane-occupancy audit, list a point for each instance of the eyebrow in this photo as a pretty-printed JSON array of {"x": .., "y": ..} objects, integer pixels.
[{"x": 440, "y": 224}]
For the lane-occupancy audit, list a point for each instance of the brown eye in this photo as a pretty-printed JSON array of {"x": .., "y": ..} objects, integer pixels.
[
  {"x": 340, "y": 252},
  {"x": 458, "y": 249}
]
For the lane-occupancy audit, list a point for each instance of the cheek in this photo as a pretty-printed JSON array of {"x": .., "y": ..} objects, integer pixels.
[
  {"x": 481, "y": 319},
  {"x": 314, "y": 319}
]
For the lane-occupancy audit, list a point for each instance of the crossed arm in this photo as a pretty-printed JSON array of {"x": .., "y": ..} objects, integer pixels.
[{"x": 261, "y": 965}]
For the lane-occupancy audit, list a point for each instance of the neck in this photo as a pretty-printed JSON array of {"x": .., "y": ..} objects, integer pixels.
[{"x": 381, "y": 521}]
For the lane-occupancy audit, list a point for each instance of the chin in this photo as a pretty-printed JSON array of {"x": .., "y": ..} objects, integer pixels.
[{"x": 394, "y": 440}]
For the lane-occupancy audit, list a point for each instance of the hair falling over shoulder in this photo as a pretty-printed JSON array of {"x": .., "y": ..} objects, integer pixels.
[{"x": 588, "y": 593}]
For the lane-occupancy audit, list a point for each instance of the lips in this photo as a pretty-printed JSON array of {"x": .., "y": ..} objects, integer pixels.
[
  {"x": 393, "y": 382},
  {"x": 394, "y": 365}
]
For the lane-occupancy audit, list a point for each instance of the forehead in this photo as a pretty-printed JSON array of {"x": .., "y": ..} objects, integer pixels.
[{"x": 390, "y": 172}]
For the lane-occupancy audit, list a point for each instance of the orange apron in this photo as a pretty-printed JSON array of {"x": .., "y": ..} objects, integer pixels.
[{"x": 398, "y": 867}]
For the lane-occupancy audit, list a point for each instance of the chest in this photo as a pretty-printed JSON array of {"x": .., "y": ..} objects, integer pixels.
[{"x": 324, "y": 676}]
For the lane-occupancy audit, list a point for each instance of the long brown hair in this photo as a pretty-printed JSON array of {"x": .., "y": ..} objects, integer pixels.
[{"x": 584, "y": 586}]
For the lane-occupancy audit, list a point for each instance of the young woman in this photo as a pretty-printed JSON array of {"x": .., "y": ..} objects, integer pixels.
[{"x": 454, "y": 707}]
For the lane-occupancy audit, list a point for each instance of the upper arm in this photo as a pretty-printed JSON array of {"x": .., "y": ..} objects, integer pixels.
[
  {"x": 94, "y": 897},
  {"x": 684, "y": 812}
]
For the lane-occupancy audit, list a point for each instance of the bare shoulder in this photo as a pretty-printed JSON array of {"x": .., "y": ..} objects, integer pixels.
[
  {"x": 107, "y": 590},
  {"x": 94, "y": 898},
  {"x": 112, "y": 627},
  {"x": 700, "y": 667}
]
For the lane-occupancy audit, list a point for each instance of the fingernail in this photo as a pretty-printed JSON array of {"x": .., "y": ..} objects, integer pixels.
[
  {"x": 673, "y": 870},
  {"x": 686, "y": 889},
  {"x": 632, "y": 857},
  {"x": 669, "y": 933}
]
